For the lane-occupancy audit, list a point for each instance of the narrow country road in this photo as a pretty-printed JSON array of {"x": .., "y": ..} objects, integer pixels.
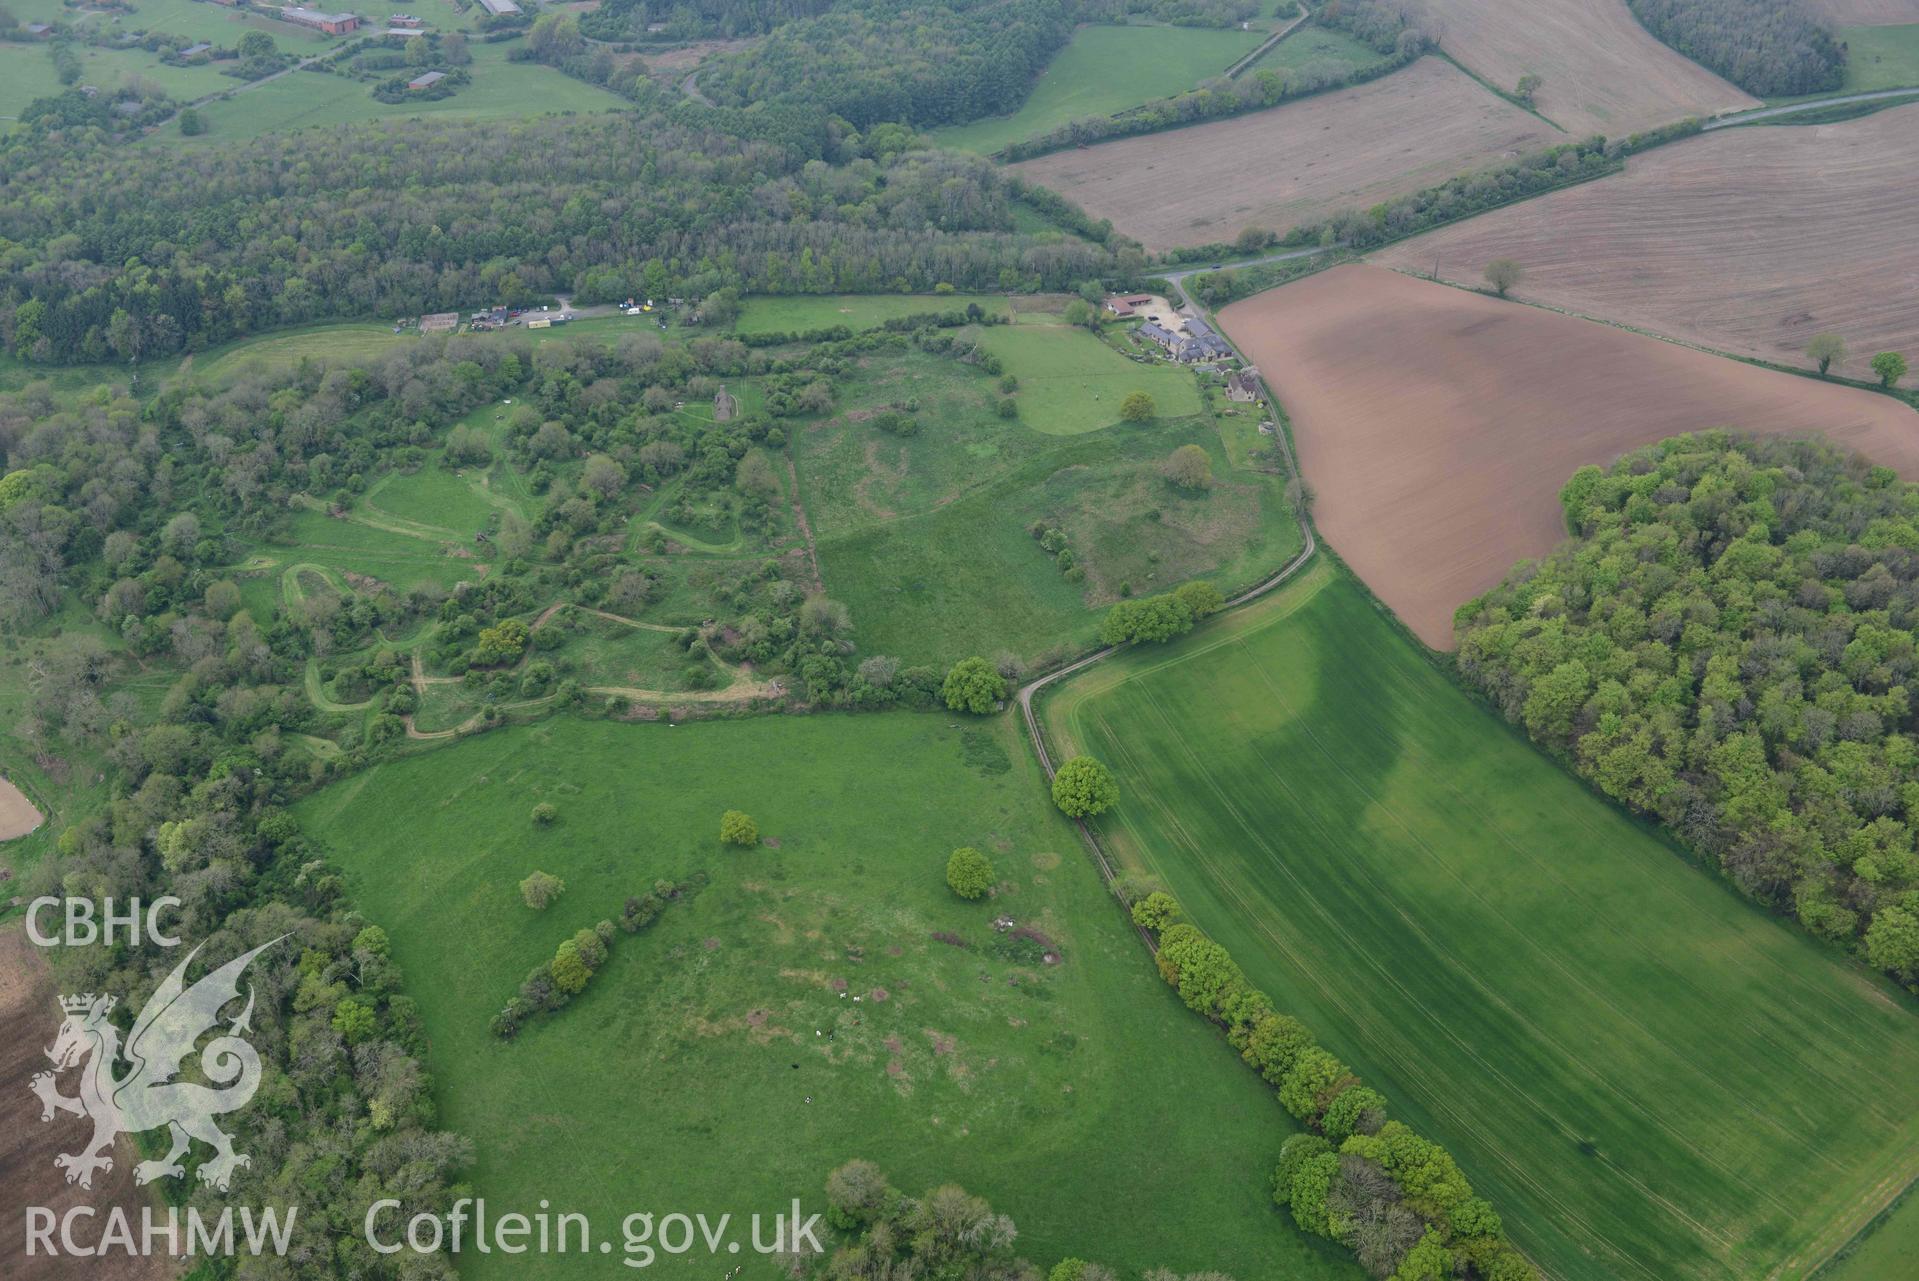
[{"x": 1793, "y": 109}]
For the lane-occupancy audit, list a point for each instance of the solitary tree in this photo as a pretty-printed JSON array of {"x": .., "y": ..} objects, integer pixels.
[
  {"x": 968, "y": 873},
  {"x": 540, "y": 889},
  {"x": 1890, "y": 366},
  {"x": 191, "y": 122},
  {"x": 544, "y": 814},
  {"x": 1084, "y": 787},
  {"x": 1528, "y": 88},
  {"x": 1190, "y": 467},
  {"x": 1138, "y": 407},
  {"x": 1503, "y": 273},
  {"x": 973, "y": 686},
  {"x": 738, "y": 828},
  {"x": 1826, "y": 348}
]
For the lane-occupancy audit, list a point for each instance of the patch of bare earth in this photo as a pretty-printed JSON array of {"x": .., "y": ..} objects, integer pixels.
[
  {"x": 1747, "y": 240},
  {"x": 17, "y": 814},
  {"x": 1297, "y": 163},
  {"x": 1601, "y": 71},
  {"x": 29, "y": 1019},
  {"x": 1436, "y": 426}
]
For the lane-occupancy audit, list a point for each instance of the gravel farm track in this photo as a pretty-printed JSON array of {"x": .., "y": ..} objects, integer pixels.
[
  {"x": 1436, "y": 425},
  {"x": 1348, "y": 149},
  {"x": 1748, "y": 241}
]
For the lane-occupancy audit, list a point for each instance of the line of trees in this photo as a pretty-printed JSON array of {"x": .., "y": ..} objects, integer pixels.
[
  {"x": 1769, "y": 48},
  {"x": 1398, "y": 1201},
  {"x": 551, "y": 985},
  {"x": 1729, "y": 643}
]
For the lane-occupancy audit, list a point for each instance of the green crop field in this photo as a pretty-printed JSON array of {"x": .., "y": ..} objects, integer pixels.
[
  {"x": 728, "y": 1065},
  {"x": 1071, "y": 382},
  {"x": 1105, "y": 70},
  {"x": 796, "y": 313},
  {"x": 1649, "y": 1077}
]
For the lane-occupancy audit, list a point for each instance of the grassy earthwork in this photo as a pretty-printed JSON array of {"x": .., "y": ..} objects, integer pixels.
[{"x": 824, "y": 997}]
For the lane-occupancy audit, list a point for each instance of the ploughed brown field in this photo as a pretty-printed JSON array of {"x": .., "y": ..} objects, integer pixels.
[
  {"x": 1436, "y": 426},
  {"x": 1748, "y": 240},
  {"x": 1296, "y": 163},
  {"x": 1602, "y": 72},
  {"x": 29, "y": 1018}
]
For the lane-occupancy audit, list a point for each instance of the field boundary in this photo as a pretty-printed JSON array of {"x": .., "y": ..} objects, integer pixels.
[{"x": 1908, "y": 398}]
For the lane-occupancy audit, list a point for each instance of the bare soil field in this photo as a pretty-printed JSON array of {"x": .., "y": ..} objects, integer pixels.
[
  {"x": 1603, "y": 72},
  {"x": 1865, "y": 13},
  {"x": 1747, "y": 240},
  {"x": 17, "y": 814},
  {"x": 29, "y": 1017},
  {"x": 1294, "y": 163},
  {"x": 1436, "y": 426}
]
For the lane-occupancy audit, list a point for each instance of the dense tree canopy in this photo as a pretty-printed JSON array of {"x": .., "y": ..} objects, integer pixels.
[
  {"x": 922, "y": 63},
  {"x": 1729, "y": 643},
  {"x": 1769, "y": 48}
]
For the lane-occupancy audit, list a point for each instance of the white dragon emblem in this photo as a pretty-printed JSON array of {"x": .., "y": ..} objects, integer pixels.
[{"x": 146, "y": 1096}]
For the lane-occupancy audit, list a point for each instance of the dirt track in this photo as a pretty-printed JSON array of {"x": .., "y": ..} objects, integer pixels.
[
  {"x": 1603, "y": 72},
  {"x": 29, "y": 1017},
  {"x": 1436, "y": 426},
  {"x": 1345, "y": 150},
  {"x": 17, "y": 814},
  {"x": 1748, "y": 240}
]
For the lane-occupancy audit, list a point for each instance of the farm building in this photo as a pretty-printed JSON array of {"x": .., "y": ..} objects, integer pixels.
[
  {"x": 37, "y": 29},
  {"x": 1203, "y": 343},
  {"x": 441, "y": 322},
  {"x": 500, "y": 8},
  {"x": 1155, "y": 333},
  {"x": 195, "y": 50},
  {"x": 334, "y": 24},
  {"x": 426, "y": 81},
  {"x": 405, "y": 20},
  {"x": 1127, "y": 306},
  {"x": 1243, "y": 385}
]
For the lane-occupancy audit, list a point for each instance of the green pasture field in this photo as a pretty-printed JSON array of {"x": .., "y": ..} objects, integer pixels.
[
  {"x": 1647, "y": 1076},
  {"x": 347, "y": 545},
  {"x": 1887, "y": 1251},
  {"x": 1316, "y": 44},
  {"x": 1105, "y": 70},
  {"x": 723, "y": 1068},
  {"x": 620, "y": 654},
  {"x": 433, "y": 495},
  {"x": 926, "y": 537},
  {"x": 348, "y": 343},
  {"x": 796, "y": 313},
  {"x": 1071, "y": 382},
  {"x": 1881, "y": 57},
  {"x": 501, "y": 90}
]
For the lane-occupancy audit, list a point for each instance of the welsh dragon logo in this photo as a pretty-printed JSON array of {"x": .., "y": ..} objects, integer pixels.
[{"x": 146, "y": 1096}]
